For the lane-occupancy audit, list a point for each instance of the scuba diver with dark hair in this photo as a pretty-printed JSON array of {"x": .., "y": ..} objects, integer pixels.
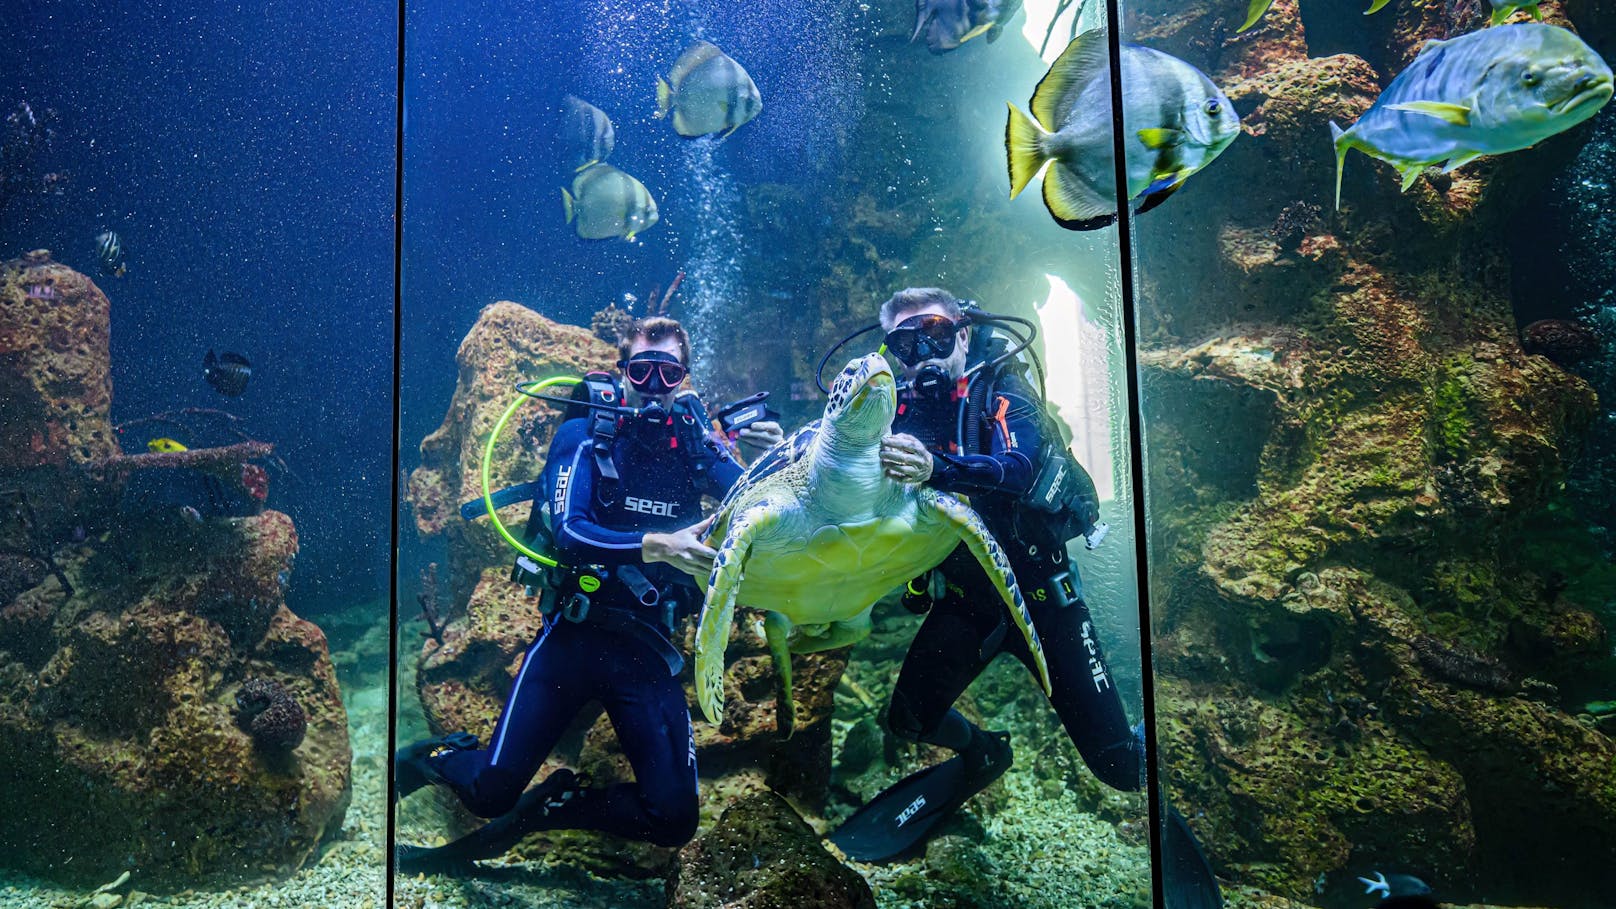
[
  {"x": 622, "y": 487},
  {"x": 968, "y": 422}
]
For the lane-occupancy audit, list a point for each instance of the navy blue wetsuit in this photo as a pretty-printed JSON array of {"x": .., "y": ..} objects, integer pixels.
[
  {"x": 621, "y": 653},
  {"x": 969, "y": 625}
]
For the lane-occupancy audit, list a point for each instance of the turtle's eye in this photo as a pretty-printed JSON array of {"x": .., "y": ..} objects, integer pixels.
[{"x": 1529, "y": 79}]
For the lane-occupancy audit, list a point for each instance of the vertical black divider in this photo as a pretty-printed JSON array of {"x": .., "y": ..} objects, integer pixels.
[
  {"x": 394, "y": 501},
  {"x": 1136, "y": 446}
]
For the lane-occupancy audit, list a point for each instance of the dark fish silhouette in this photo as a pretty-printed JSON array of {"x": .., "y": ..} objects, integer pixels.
[{"x": 227, "y": 373}]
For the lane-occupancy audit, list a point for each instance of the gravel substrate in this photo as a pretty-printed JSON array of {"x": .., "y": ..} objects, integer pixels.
[{"x": 347, "y": 874}]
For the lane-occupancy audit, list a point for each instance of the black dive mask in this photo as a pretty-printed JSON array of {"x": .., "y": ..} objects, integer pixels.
[
  {"x": 928, "y": 336},
  {"x": 653, "y": 372}
]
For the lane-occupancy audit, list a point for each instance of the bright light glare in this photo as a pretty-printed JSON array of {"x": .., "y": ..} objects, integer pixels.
[
  {"x": 1037, "y": 24},
  {"x": 1078, "y": 380}
]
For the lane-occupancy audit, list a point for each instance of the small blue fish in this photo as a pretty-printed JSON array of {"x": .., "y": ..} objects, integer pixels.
[
  {"x": 1485, "y": 93},
  {"x": 1397, "y": 885}
]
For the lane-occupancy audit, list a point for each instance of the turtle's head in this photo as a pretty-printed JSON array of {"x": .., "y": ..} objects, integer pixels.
[{"x": 863, "y": 399}]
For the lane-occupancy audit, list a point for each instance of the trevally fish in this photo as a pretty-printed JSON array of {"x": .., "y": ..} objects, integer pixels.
[
  {"x": 1485, "y": 93},
  {"x": 605, "y": 202},
  {"x": 587, "y": 132},
  {"x": 1257, "y": 7},
  {"x": 1178, "y": 121},
  {"x": 949, "y": 23},
  {"x": 707, "y": 92},
  {"x": 109, "y": 253},
  {"x": 228, "y": 373}
]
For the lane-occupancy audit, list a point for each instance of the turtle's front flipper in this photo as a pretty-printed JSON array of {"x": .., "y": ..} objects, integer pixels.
[
  {"x": 718, "y": 611},
  {"x": 777, "y": 630},
  {"x": 968, "y": 524}
]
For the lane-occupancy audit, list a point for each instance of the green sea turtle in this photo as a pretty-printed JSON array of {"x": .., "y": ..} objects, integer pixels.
[{"x": 815, "y": 532}]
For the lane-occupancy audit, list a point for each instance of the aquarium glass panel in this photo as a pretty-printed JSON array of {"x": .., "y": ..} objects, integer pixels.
[
  {"x": 196, "y": 252},
  {"x": 766, "y": 174},
  {"x": 1376, "y": 358}
]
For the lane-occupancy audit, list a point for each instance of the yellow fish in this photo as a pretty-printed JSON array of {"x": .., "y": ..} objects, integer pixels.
[{"x": 165, "y": 445}]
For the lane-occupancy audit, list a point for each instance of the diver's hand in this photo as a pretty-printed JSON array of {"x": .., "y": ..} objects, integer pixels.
[
  {"x": 682, "y": 548},
  {"x": 905, "y": 458},
  {"x": 760, "y": 436}
]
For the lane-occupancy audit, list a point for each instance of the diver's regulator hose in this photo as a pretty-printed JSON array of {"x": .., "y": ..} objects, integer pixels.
[{"x": 526, "y": 390}]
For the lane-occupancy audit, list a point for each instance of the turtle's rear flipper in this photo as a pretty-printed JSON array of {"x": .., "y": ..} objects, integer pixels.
[
  {"x": 975, "y": 534},
  {"x": 777, "y": 630}
]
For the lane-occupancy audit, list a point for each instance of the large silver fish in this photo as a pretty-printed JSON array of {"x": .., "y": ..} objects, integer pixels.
[
  {"x": 949, "y": 23},
  {"x": 1178, "y": 121},
  {"x": 109, "y": 253},
  {"x": 605, "y": 202},
  {"x": 707, "y": 92},
  {"x": 588, "y": 133},
  {"x": 1486, "y": 93}
]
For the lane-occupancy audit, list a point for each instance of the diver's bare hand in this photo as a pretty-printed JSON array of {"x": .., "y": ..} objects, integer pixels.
[
  {"x": 760, "y": 436},
  {"x": 682, "y": 548},
  {"x": 905, "y": 458}
]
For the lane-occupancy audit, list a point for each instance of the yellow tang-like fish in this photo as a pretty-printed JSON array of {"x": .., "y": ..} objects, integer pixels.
[{"x": 165, "y": 445}]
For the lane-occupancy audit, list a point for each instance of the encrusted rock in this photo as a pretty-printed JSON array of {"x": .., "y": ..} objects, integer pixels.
[{"x": 762, "y": 855}]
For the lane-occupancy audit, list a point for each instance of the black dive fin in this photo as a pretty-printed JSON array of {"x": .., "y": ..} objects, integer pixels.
[
  {"x": 903, "y": 815},
  {"x": 1187, "y": 878},
  {"x": 909, "y": 811}
]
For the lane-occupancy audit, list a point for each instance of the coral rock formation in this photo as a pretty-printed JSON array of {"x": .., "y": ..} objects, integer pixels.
[
  {"x": 762, "y": 855},
  {"x": 270, "y": 714},
  {"x": 116, "y": 723}
]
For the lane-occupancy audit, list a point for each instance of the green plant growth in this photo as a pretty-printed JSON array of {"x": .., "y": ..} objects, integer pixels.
[{"x": 1452, "y": 426}]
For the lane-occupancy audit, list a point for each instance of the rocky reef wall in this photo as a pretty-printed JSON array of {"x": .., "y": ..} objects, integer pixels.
[
  {"x": 1363, "y": 627},
  {"x": 161, "y": 710}
]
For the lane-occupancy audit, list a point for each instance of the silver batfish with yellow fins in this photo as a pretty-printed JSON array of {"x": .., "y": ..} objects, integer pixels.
[
  {"x": 1178, "y": 122},
  {"x": 707, "y": 92},
  {"x": 587, "y": 132},
  {"x": 1486, "y": 93},
  {"x": 947, "y": 24},
  {"x": 606, "y": 203}
]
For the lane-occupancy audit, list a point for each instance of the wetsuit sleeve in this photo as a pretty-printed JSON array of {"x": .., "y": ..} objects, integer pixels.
[
  {"x": 579, "y": 535},
  {"x": 1015, "y": 422}
]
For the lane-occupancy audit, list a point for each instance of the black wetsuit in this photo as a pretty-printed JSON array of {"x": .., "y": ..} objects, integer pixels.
[
  {"x": 969, "y": 625},
  {"x": 620, "y": 654}
]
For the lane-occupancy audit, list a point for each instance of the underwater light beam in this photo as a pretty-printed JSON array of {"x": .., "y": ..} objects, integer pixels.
[{"x": 1078, "y": 382}]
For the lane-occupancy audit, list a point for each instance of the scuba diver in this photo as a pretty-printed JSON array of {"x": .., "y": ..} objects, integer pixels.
[
  {"x": 622, "y": 487},
  {"x": 968, "y": 422}
]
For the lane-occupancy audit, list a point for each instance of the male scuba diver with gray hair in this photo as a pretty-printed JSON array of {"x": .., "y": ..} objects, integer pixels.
[
  {"x": 622, "y": 488},
  {"x": 969, "y": 422}
]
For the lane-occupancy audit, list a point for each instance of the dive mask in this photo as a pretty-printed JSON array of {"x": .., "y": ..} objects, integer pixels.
[
  {"x": 653, "y": 372},
  {"x": 924, "y": 337}
]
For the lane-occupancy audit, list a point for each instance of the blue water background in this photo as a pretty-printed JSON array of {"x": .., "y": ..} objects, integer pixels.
[{"x": 245, "y": 154}]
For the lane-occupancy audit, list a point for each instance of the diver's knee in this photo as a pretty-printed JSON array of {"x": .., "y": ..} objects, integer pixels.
[
  {"x": 494, "y": 793},
  {"x": 674, "y": 824}
]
